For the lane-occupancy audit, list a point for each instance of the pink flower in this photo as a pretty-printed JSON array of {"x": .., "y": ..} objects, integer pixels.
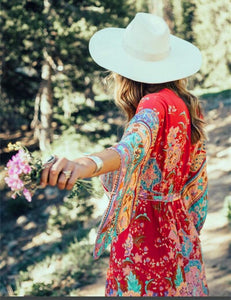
[
  {"x": 14, "y": 182},
  {"x": 17, "y": 167},
  {"x": 27, "y": 194},
  {"x": 19, "y": 164}
]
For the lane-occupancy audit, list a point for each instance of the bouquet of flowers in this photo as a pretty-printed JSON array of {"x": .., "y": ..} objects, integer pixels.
[{"x": 24, "y": 171}]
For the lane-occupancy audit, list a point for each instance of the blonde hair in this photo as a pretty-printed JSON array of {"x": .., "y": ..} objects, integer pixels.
[{"x": 128, "y": 93}]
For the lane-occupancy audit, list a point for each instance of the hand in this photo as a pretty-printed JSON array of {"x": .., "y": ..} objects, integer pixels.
[{"x": 62, "y": 172}]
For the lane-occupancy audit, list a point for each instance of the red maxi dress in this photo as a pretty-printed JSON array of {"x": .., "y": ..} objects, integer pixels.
[{"x": 157, "y": 205}]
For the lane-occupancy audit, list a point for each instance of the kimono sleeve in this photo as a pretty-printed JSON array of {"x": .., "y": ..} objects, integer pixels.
[
  {"x": 133, "y": 149},
  {"x": 196, "y": 190}
]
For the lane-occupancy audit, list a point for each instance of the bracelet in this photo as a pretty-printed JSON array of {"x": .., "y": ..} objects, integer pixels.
[{"x": 98, "y": 161}]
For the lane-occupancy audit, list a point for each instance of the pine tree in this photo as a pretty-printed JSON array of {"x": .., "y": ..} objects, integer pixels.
[{"x": 48, "y": 40}]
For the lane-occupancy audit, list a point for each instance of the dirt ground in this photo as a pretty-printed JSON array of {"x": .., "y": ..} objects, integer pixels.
[{"x": 216, "y": 234}]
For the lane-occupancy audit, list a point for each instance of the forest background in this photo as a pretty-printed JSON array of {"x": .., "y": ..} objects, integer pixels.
[{"x": 54, "y": 100}]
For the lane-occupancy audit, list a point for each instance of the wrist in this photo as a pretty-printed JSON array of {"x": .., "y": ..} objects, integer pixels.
[
  {"x": 86, "y": 166},
  {"x": 97, "y": 161}
]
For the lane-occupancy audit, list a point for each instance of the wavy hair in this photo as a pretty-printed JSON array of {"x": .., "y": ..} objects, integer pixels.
[{"x": 128, "y": 93}]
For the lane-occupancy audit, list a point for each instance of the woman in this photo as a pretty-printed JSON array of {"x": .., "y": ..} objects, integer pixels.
[{"x": 155, "y": 177}]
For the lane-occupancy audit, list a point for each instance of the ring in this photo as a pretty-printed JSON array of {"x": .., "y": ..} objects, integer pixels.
[
  {"x": 67, "y": 174},
  {"x": 50, "y": 160}
]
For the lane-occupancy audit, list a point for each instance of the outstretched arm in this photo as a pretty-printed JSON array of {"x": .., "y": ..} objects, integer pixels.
[
  {"x": 80, "y": 168},
  {"x": 84, "y": 167}
]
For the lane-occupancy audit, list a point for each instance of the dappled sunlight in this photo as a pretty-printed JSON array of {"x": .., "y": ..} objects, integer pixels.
[
  {"x": 100, "y": 206},
  {"x": 62, "y": 270},
  {"x": 217, "y": 166},
  {"x": 43, "y": 238},
  {"x": 93, "y": 125},
  {"x": 29, "y": 226},
  {"x": 217, "y": 220}
]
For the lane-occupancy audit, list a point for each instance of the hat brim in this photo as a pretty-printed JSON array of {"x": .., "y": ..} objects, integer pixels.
[{"x": 107, "y": 51}]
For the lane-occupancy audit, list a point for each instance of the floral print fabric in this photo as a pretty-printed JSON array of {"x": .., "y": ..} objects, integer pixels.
[{"x": 157, "y": 205}]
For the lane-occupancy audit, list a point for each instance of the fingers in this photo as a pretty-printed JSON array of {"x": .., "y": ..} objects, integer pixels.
[
  {"x": 63, "y": 173},
  {"x": 45, "y": 173},
  {"x": 72, "y": 180},
  {"x": 55, "y": 175}
]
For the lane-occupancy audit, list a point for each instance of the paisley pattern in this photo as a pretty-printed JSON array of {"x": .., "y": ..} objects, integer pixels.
[
  {"x": 157, "y": 205},
  {"x": 123, "y": 192}
]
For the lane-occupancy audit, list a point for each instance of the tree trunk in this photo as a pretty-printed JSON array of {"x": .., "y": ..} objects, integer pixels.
[
  {"x": 44, "y": 100},
  {"x": 168, "y": 12},
  {"x": 46, "y": 107},
  {"x": 43, "y": 109}
]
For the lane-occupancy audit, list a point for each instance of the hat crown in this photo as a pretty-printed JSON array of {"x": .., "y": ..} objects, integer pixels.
[
  {"x": 147, "y": 37},
  {"x": 145, "y": 51}
]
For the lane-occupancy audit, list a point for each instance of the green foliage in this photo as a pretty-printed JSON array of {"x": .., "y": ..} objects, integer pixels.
[
  {"x": 227, "y": 207},
  {"x": 188, "y": 10},
  {"x": 229, "y": 212},
  {"x": 59, "y": 259},
  {"x": 58, "y": 274},
  {"x": 71, "y": 214},
  {"x": 206, "y": 24},
  {"x": 213, "y": 36},
  {"x": 42, "y": 289},
  {"x": 63, "y": 29},
  {"x": 60, "y": 30},
  {"x": 81, "y": 190}
]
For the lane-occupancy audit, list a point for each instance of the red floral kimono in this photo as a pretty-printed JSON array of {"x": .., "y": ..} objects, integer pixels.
[{"x": 158, "y": 204}]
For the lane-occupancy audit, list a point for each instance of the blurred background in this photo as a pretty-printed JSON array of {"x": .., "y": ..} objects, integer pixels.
[{"x": 54, "y": 99}]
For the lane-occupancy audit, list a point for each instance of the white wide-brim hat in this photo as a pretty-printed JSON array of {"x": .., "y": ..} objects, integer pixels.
[{"x": 145, "y": 51}]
